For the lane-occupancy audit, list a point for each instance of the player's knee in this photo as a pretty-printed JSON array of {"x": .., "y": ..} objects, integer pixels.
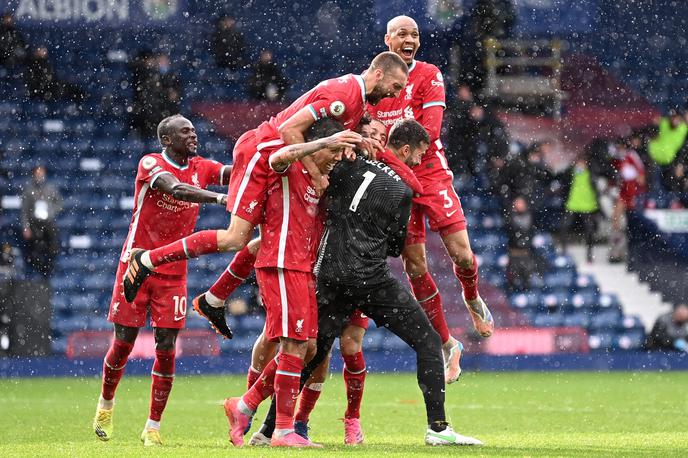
[
  {"x": 461, "y": 254},
  {"x": 351, "y": 347},
  {"x": 294, "y": 347},
  {"x": 459, "y": 250},
  {"x": 351, "y": 342},
  {"x": 231, "y": 240},
  {"x": 165, "y": 339},
  {"x": 254, "y": 246},
  {"x": 126, "y": 333},
  {"x": 463, "y": 258},
  {"x": 415, "y": 264}
]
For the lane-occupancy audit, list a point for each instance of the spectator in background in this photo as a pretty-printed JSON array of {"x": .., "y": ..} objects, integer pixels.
[
  {"x": 632, "y": 185},
  {"x": 41, "y": 203},
  {"x": 12, "y": 44},
  {"x": 523, "y": 263},
  {"x": 461, "y": 132},
  {"x": 665, "y": 147},
  {"x": 267, "y": 81},
  {"x": 43, "y": 83},
  {"x": 580, "y": 204},
  {"x": 526, "y": 175},
  {"x": 476, "y": 138},
  {"x": 157, "y": 92},
  {"x": 670, "y": 331},
  {"x": 227, "y": 44}
]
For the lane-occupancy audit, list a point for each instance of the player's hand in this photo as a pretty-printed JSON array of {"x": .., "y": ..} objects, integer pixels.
[
  {"x": 370, "y": 147},
  {"x": 349, "y": 154},
  {"x": 343, "y": 140}
]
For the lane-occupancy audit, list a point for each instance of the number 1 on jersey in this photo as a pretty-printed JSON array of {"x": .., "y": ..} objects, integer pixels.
[{"x": 367, "y": 178}]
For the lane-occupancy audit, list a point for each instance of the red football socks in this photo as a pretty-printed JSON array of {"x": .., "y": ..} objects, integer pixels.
[
  {"x": 235, "y": 274},
  {"x": 307, "y": 400},
  {"x": 162, "y": 377},
  {"x": 469, "y": 279},
  {"x": 287, "y": 382},
  {"x": 263, "y": 387},
  {"x": 354, "y": 379},
  {"x": 113, "y": 367},
  {"x": 197, "y": 244},
  {"x": 425, "y": 290},
  {"x": 252, "y": 377}
]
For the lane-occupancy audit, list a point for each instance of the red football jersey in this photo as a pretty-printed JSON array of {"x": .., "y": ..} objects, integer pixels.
[
  {"x": 424, "y": 89},
  {"x": 342, "y": 98},
  {"x": 159, "y": 218},
  {"x": 292, "y": 225}
]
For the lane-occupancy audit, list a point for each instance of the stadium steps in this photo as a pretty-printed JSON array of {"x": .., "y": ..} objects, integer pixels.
[{"x": 635, "y": 296}]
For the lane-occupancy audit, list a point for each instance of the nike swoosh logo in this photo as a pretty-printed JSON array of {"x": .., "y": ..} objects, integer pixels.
[
  {"x": 179, "y": 318},
  {"x": 443, "y": 437},
  {"x": 451, "y": 213}
]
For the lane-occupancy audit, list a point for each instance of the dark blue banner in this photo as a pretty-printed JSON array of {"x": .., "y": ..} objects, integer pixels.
[{"x": 101, "y": 12}]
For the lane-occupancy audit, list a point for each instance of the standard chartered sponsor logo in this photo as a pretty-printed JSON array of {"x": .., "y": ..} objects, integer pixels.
[{"x": 169, "y": 203}]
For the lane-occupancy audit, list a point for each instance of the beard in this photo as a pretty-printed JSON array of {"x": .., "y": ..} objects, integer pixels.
[{"x": 375, "y": 96}]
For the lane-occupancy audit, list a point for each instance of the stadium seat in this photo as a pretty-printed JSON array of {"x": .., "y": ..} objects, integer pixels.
[
  {"x": 607, "y": 319},
  {"x": 601, "y": 340},
  {"x": 630, "y": 340},
  {"x": 577, "y": 319},
  {"x": 548, "y": 320},
  {"x": 528, "y": 301}
]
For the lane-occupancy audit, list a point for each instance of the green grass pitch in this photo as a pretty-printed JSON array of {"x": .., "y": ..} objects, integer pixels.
[{"x": 515, "y": 414}]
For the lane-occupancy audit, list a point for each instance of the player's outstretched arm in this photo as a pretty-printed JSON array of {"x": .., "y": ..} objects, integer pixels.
[
  {"x": 282, "y": 158},
  {"x": 169, "y": 184}
]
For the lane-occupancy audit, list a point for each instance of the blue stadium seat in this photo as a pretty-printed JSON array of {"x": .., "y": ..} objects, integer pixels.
[
  {"x": 555, "y": 300},
  {"x": 577, "y": 319},
  {"x": 559, "y": 279},
  {"x": 607, "y": 319},
  {"x": 632, "y": 322},
  {"x": 630, "y": 340},
  {"x": 601, "y": 341},
  {"x": 609, "y": 301},
  {"x": 530, "y": 300},
  {"x": 548, "y": 320},
  {"x": 583, "y": 299}
]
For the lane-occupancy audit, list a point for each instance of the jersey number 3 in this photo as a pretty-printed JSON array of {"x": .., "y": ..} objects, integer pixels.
[{"x": 367, "y": 178}]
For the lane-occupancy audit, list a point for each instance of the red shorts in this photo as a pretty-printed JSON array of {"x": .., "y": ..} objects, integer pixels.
[
  {"x": 291, "y": 309},
  {"x": 163, "y": 295},
  {"x": 248, "y": 185},
  {"x": 440, "y": 203},
  {"x": 359, "y": 319}
]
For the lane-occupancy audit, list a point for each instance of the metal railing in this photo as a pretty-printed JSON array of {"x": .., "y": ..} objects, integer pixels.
[{"x": 524, "y": 72}]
